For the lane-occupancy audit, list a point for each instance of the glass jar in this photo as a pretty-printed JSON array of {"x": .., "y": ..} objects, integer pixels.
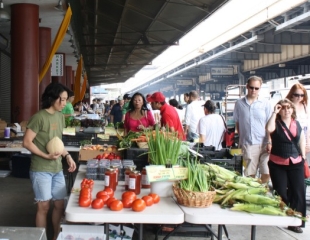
[
  {"x": 144, "y": 180},
  {"x": 117, "y": 173},
  {"x": 135, "y": 182},
  {"x": 110, "y": 178},
  {"x": 128, "y": 170}
]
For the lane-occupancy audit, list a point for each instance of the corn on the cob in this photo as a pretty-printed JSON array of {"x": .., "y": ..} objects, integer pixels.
[
  {"x": 253, "y": 208},
  {"x": 258, "y": 199}
]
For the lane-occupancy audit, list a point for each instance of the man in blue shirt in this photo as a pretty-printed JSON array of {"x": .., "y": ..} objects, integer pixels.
[
  {"x": 251, "y": 115},
  {"x": 116, "y": 114}
]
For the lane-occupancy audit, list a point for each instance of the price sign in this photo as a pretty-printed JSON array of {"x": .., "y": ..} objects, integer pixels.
[
  {"x": 180, "y": 173},
  {"x": 161, "y": 173}
]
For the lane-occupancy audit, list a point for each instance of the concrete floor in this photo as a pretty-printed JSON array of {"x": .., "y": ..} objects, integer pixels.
[{"x": 18, "y": 209}]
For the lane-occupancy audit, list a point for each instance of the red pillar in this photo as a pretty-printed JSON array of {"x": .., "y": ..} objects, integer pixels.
[
  {"x": 44, "y": 50},
  {"x": 61, "y": 79},
  {"x": 68, "y": 76},
  {"x": 24, "y": 61}
]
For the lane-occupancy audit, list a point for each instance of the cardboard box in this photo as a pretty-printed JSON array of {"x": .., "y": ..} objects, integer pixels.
[
  {"x": 3, "y": 125},
  {"x": 23, "y": 125},
  {"x": 81, "y": 232},
  {"x": 85, "y": 155}
]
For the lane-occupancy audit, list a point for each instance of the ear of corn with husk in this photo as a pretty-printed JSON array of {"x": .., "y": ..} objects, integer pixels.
[{"x": 245, "y": 193}]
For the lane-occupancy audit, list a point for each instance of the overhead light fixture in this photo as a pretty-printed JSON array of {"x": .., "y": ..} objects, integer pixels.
[
  {"x": 251, "y": 48},
  {"x": 71, "y": 39},
  {"x": 68, "y": 31},
  {"x": 74, "y": 52},
  {"x": 59, "y": 6},
  {"x": 252, "y": 72},
  {"x": 72, "y": 45},
  {"x": 281, "y": 65},
  {"x": 4, "y": 15}
]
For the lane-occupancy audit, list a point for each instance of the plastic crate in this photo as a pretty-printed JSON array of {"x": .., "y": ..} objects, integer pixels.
[
  {"x": 74, "y": 141},
  {"x": 232, "y": 164},
  {"x": 135, "y": 154},
  {"x": 111, "y": 141},
  {"x": 185, "y": 230}
]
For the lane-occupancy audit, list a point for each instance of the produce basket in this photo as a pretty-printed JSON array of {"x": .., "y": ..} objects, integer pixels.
[
  {"x": 193, "y": 199},
  {"x": 142, "y": 144}
]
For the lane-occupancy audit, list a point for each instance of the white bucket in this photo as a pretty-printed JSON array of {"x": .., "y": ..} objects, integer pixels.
[{"x": 163, "y": 188}]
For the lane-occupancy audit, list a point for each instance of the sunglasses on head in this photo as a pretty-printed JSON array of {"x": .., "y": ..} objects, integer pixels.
[
  {"x": 252, "y": 88},
  {"x": 298, "y": 95},
  {"x": 283, "y": 107}
]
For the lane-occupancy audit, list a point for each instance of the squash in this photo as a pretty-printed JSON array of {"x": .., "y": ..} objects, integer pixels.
[{"x": 55, "y": 145}]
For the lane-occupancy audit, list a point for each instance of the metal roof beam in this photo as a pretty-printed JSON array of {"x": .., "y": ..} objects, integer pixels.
[{"x": 293, "y": 22}]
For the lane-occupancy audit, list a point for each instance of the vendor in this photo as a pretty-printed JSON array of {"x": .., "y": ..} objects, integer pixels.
[
  {"x": 68, "y": 110},
  {"x": 139, "y": 117}
]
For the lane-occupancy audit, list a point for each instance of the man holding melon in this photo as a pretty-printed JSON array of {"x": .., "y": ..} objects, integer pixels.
[
  {"x": 251, "y": 115},
  {"x": 43, "y": 140}
]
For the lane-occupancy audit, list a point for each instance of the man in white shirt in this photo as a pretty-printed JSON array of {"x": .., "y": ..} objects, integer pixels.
[{"x": 194, "y": 111}]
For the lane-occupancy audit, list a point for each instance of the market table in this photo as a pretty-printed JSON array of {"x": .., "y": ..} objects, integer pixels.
[
  {"x": 165, "y": 212},
  {"x": 217, "y": 215}
]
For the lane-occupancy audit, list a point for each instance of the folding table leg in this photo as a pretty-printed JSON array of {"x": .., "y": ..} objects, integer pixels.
[
  {"x": 219, "y": 232},
  {"x": 213, "y": 234},
  {"x": 253, "y": 232},
  {"x": 170, "y": 233},
  {"x": 140, "y": 231},
  {"x": 106, "y": 229}
]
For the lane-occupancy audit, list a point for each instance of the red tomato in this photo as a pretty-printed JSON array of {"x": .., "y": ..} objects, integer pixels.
[
  {"x": 116, "y": 205},
  {"x": 148, "y": 200},
  {"x": 109, "y": 191},
  {"x": 97, "y": 203},
  {"x": 110, "y": 200},
  {"x": 138, "y": 205},
  {"x": 101, "y": 193},
  {"x": 85, "y": 192},
  {"x": 84, "y": 202},
  {"x": 130, "y": 195},
  {"x": 155, "y": 197},
  {"x": 127, "y": 202},
  {"x": 104, "y": 198}
]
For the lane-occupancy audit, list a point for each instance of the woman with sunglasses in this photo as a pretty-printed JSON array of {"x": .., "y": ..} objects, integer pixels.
[
  {"x": 286, "y": 161},
  {"x": 298, "y": 95}
]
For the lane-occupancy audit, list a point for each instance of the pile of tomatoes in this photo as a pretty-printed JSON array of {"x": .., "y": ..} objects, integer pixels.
[{"x": 106, "y": 197}]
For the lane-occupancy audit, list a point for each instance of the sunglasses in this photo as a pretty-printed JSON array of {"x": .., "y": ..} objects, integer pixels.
[
  {"x": 252, "y": 88},
  {"x": 283, "y": 107},
  {"x": 298, "y": 95}
]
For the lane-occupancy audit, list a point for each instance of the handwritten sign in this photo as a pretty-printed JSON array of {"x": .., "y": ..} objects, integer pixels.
[
  {"x": 69, "y": 131},
  {"x": 180, "y": 173},
  {"x": 157, "y": 173}
]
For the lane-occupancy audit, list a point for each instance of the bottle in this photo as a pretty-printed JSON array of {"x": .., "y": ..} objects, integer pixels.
[
  {"x": 110, "y": 178},
  {"x": 144, "y": 180},
  {"x": 117, "y": 173},
  {"x": 135, "y": 182},
  {"x": 127, "y": 172}
]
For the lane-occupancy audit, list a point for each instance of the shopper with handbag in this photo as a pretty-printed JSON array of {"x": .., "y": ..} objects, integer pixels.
[{"x": 287, "y": 156}]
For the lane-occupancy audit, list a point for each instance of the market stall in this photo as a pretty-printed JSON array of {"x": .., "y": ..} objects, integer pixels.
[{"x": 167, "y": 211}]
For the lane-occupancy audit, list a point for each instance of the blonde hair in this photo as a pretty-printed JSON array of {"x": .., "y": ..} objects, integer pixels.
[
  {"x": 281, "y": 102},
  {"x": 254, "y": 78}
]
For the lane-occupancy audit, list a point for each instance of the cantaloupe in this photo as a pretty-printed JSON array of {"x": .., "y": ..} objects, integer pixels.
[{"x": 55, "y": 145}]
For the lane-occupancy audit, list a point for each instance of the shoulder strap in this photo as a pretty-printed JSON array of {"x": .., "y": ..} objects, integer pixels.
[
  {"x": 305, "y": 108},
  {"x": 291, "y": 136},
  {"x": 223, "y": 136},
  {"x": 224, "y": 121}
]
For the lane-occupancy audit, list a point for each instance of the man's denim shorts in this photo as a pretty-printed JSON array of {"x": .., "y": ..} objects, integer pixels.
[{"x": 47, "y": 185}]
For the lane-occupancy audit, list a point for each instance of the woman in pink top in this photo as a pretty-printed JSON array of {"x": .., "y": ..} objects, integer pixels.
[
  {"x": 286, "y": 164},
  {"x": 139, "y": 116}
]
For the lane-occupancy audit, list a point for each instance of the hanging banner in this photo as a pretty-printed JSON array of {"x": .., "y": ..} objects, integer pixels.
[
  {"x": 57, "y": 41},
  {"x": 57, "y": 65}
]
